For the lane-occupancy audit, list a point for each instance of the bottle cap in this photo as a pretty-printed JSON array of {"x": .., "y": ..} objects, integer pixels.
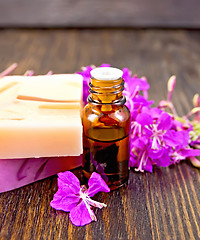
[{"x": 106, "y": 73}]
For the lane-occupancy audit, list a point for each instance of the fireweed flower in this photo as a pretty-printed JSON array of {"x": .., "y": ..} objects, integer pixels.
[
  {"x": 76, "y": 199},
  {"x": 131, "y": 83},
  {"x": 159, "y": 130},
  {"x": 178, "y": 154},
  {"x": 156, "y": 139}
]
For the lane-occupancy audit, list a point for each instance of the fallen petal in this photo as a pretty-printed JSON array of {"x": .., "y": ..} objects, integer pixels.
[
  {"x": 64, "y": 201},
  {"x": 67, "y": 180},
  {"x": 97, "y": 184},
  {"x": 80, "y": 215}
]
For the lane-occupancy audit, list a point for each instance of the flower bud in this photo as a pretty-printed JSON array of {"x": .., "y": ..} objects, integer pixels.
[
  {"x": 171, "y": 83},
  {"x": 163, "y": 104},
  {"x": 195, "y": 162},
  {"x": 186, "y": 126},
  {"x": 8, "y": 70},
  {"x": 195, "y": 110},
  {"x": 144, "y": 78},
  {"x": 196, "y": 100},
  {"x": 29, "y": 73}
]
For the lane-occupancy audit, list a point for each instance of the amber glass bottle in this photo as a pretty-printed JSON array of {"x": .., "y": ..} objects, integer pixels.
[{"x": 106, "y": 123}]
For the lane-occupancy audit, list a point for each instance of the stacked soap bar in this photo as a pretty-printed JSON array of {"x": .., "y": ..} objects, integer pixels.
[{"x": 40, "y": 127}]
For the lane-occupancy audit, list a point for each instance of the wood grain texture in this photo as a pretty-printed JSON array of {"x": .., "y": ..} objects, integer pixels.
[
  {"x": 104, "y": 13},
  {"x": 161, "y": 205}
]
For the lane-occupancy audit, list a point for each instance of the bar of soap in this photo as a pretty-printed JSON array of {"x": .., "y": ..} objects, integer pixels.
[
  {"x": 40, "y": 125},
  {"x": 40, "y": 116},
  {"x": 54, "y": 88}
]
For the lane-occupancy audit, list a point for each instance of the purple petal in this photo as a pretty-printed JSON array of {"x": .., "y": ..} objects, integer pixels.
[
  {"x": 144, "y": 119},
  {"x": 140, "y": 101},
  {"x": 97, "y": 184},
  {"x": 148, "y": 167},
  {"x": 68, "y": 182},
  {"x": 134, "y": 82},
  {"x": 165, "y": 121},
  {"x": 142, "y": 83},
  {"x": 144, "y": 163},
  {"x": 154, "y": 154},
  {"x": 134, "y": 113},
  {"x": 154, "y": 112},
  {"x": 177, "y": 125},
  {"x": 86, "y": 72},
  {"x": 190, "y": 152},
  {"x": 163, "y": 160},
  {"x": 126, "y": 74},
  {"x": 80, "y": 215},
  {"x": 173, "y": 138},
  {"x": 184, "y": 137},
  {"x": 64, "y": 201},
  {"x": 132, "y": 161},
  {"x": 140, "y": 143}
]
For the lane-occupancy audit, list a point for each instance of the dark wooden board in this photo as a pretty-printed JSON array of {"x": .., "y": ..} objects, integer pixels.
[
  {"x": 104, "y": 13},
  {"x": 161, "y": 205}
]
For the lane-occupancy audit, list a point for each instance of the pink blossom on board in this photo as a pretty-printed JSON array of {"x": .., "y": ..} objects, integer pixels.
[{"x": 76, "y": 199}]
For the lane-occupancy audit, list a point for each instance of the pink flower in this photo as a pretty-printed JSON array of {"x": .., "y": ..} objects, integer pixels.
[{"x": 74, "y": 198}]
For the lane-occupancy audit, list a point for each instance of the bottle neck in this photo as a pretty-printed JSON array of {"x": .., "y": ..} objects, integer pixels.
[{"x": 106, "y": 92}]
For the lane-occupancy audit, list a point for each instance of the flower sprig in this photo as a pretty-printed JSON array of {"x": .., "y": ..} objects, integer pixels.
[
  {"x": 158, "y": 136},
  {"x": 192, "y": 125}
]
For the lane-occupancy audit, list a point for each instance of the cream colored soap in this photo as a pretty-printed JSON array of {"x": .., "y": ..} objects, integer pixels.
[
  {"x": 40, "y": 116},
  {"x": 47, "y": 88}
]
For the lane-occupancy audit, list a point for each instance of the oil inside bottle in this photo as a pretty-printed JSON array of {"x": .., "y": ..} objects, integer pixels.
[{"x": 106, "y": 151}]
